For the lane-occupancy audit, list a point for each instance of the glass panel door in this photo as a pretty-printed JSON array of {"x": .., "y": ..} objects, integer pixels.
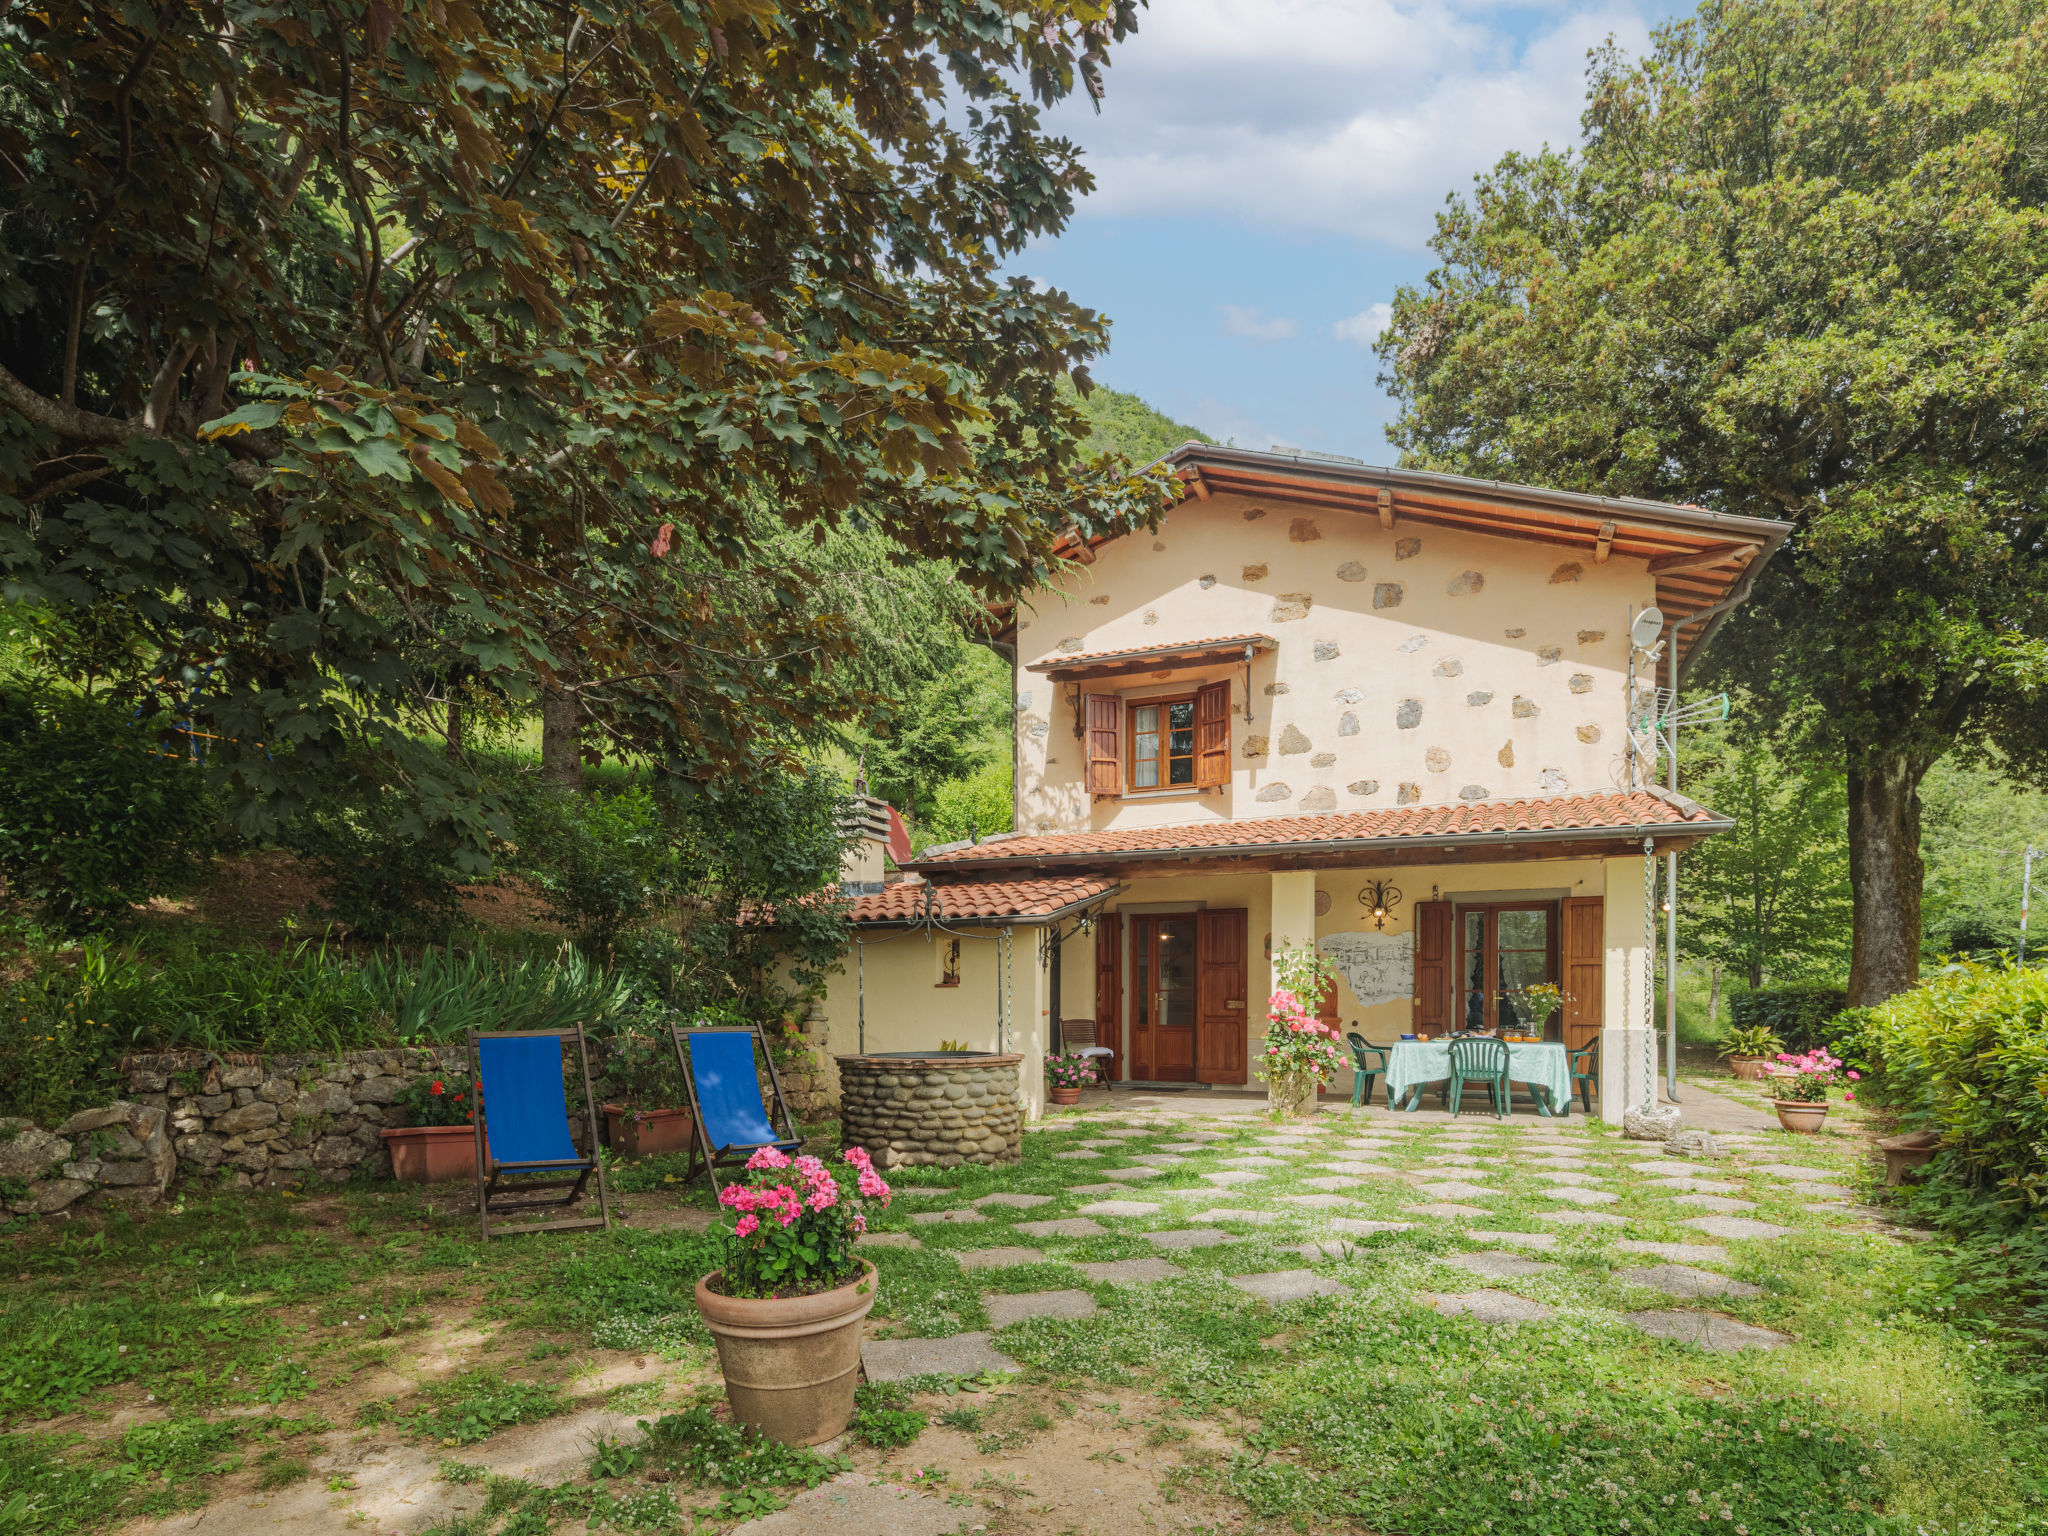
[
  {"x": 1522, "y": 958},
  {"x": 1502, "y": 950}
]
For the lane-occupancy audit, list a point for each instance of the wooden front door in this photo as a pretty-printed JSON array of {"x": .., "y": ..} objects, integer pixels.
[
  {"x": 1584, "y": 948},
  {"x": 1109, "y": 991},
  {"x": 1222, "y": 970},
  {"x": 1163, "y": 993}
]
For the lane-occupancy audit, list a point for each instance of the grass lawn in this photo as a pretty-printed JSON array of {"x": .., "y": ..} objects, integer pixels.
[{"x": 361, "y": 1361}]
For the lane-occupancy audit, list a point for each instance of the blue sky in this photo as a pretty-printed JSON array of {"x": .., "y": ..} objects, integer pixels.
[{"x": 1268, "y": 174}]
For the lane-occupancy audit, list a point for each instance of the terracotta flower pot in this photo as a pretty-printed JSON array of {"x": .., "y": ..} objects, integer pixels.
[
  {"x": 1799, "y": 1116},
  {"x": 430, "y": 1154},
  {"x": 644, "y": 1132},
  {"x": 790, "y": 1364},
  {"x": 1749, "y": 1068},
  {"x": 1904, "y": 1154},
  {"x": 1068, "y": 1095}
]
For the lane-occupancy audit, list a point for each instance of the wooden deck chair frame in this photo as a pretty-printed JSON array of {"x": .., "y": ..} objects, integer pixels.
[
  {"x": 733, "y": 1155},
  {"x": 494, "y": 1198}
]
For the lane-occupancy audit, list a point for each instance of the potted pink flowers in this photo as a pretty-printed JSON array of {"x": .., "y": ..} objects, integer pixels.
[
  {"x": 787, "y": 1306},
  {"x": 1800, "y": 1084},
  {"x": 1066, "y": 1076},
  {"x": 1302, "y": 1053}
]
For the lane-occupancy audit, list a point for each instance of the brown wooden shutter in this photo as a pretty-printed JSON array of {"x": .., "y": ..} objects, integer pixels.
[
  {"x": 1433, "y": 999},
  {"x": 1109, "y": 989},
  {"x": 1583, "y": 957},
  {"x": 1212, "y": 736},
  {"x": 1105, "y": 744}
]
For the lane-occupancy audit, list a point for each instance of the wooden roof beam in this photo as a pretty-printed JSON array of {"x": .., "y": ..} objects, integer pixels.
[
  {"x": 1387, "y": 508},
  {"x": 1603, "y": 543},
  {"x": 1702, "y": 559}
]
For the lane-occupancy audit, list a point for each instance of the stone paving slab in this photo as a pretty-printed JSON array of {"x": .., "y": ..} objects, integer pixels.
[
  {"x": 1335, "y": 1181},
  {"x": 1448, "y": 1210},
  {"x": 1496, "y": 1266},
  {"x": 1488, "y": 1306},
  {"x": 1158, "y": 1159},
  {"x": 1005, "y": 1310},
  {"x": 1458, "y": 1189},
  {"x": 1720, "y": 1335},
  {"x": 1101, "y": 1146},
  {"x": 960, "y": 1218},
  {"x": 1016, "y": 1202},
  {"x": 1828, "y": 1191},
  {"x": 1735, "y": 1227},
  {"x": 1364, "y": 1228},
  {"x": 1069, "y": 1226},
  {"x": 1132, "y": 1175},
  {"x": 1683, "y": 1253},
  {"x": 1582, "y": 1218},
  {"x": 1256, "y": 1218},
  {"x": 1124, "y": 1135},
  {"x": 1235, "y": 1176},
  {"x": 1288, "y": 1285},
  {"x": 1576, "y": 1196},
  {"x": 1074, "y": 1157},
  {"x": 1564, "y": 1176},
  {"x": 1184, "y": 1146},
  {"x": 1695, "y": 1186},
  {"x": 1792, "y": 1171},
  {"x": 1130, "y": 1271},
  {"x": 1254, "y": 1159},
  {"x": 853, "y": 1505},
  {"x": 886, "y": 1240},
  {"x": 1097, "y": 1189},
  {"x": 1457, "y": 1159},
  {"x": 1515, "y": 1239},
  {"x": 1683, "y": 1280},
  {"x": 1182, "y": 1238},
  {"x": 1319, "y": 1202},
  {"x": 997, "y": 1258},
  {"x": 1725, "y": 1204},
  {"x": 1121, "y": 1208},
  {"x": 959, "y": 1354}
]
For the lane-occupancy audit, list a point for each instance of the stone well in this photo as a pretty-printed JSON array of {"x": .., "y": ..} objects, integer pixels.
[{"x": 932, "y": 1108}]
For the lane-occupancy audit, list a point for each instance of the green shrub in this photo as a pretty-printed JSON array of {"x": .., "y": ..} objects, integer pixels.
[
  {"x": 602, "y": 862},
  {"x": 1799, "y": 1016},
  {"x": 384, "y": 871},
  {"x": 975, "y": 806},
  {"x": 98, "y": 815}
]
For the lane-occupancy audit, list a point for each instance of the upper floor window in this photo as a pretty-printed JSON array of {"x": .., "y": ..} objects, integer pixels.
[
  {"x": 1162, "y": 743},
  {"x": 1146, "y": 746}
]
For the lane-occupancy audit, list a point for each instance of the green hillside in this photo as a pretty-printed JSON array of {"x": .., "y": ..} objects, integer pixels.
[{"x": 1125, "y": 424}]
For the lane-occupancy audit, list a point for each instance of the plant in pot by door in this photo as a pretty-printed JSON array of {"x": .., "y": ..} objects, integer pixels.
[
  {"x": 440, "y": 1142},
  {"x": 1301, "y": 1052},
  {"x": 643, "y": 1110},
  {"x": 1066, "y": 1076},
  {"x": 1749, "y": 1051},
  {"x": 1801, "y": 1087},
  {"x": 787, "y": 1307}
]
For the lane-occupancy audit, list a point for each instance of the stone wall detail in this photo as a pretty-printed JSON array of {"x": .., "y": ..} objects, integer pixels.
[{"x": 932, "y": 1111}]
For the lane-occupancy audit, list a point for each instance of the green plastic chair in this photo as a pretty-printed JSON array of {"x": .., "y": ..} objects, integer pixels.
[
  {"x": 1479, "y": 1061},
  {"x": 1368, "y": 1062},
  {"x": 1585, "y": 1070}
]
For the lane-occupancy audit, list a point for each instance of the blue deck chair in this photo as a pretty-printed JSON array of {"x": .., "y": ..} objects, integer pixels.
[
  {"x": 523, "y": 1145},
  {"x": 725, "y": 1096}
]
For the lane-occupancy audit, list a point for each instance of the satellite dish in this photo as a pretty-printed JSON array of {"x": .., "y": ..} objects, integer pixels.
[{"x": 1647, "y": 628}]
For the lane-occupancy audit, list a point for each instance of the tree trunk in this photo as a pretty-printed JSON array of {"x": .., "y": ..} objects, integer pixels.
[
  {"x": 561, "y": 755},
  {"x": 1714, "y": 999},
  {"x": 1885, "y": 874},
  {"x": 454, "y": 730}
]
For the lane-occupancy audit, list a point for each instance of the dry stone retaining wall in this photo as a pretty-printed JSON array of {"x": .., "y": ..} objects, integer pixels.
[{"x": 932, "y": 1111}]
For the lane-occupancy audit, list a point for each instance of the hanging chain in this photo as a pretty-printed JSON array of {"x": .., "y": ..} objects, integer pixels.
[
  {"x": 1649, "y": 974},
  {"x": 1009, "y": 988}
]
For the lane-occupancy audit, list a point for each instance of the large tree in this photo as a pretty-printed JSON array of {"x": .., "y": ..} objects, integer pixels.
[
  {"x": 1798, "y": 268},
  {"x": 356, "y": 347}
]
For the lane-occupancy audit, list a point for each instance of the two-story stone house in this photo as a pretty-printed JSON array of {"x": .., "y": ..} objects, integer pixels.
[{"x": 1379, "y": 711}]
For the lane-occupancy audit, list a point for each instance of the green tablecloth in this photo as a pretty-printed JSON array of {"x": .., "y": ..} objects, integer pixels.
[{"x": 1544, "y": 1065}]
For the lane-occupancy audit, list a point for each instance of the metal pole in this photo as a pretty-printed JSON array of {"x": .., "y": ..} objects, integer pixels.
[{"x": 1671, "y": 896}]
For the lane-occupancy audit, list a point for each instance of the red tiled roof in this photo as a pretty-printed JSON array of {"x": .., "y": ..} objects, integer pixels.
[
  {"x": 1062, "y": 660},
  {"x": 969, "y": 900},
  {"x": 1477, "y": 821}
]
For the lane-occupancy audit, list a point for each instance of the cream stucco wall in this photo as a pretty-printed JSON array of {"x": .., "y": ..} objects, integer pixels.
[{"x": 1496, "y": 671}]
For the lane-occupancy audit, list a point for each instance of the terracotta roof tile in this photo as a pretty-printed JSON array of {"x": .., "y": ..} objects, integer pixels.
[
  {"x": 966, "y": 900},
  {"x": 1477, "y": 820}
]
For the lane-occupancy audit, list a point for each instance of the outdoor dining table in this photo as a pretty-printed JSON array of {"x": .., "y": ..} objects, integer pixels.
[{"x": 1544, "y": 1065}]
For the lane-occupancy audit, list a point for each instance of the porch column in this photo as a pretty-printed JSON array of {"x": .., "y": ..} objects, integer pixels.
[
  {"x": 1627, "y": 1076},
  {"x": 1030, "y": 1015},
  {"x": 1294, "y": 915}
]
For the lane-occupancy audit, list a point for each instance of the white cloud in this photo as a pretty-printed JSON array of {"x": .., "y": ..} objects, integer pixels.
[
  {"x": 1256, "y": 325},
  {"x": 1363, "y": 329},
  {"x": 1349, "y": 117}
]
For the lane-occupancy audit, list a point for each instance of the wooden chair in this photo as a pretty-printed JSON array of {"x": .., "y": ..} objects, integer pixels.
[
  {"x": 1368, "y": 1064},
  {"x": 725, "y": 1095},
  {"x": 523, "y": 1144},
  {"x": 1585, "y": 1074},
  {"x": 1077, "y": 1038},
  {"x": 1479, "y": 1061}
]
